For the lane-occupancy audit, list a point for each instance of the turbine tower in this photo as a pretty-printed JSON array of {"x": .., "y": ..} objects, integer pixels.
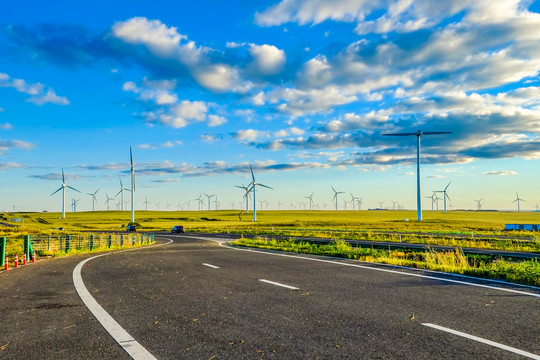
[
  {"x": 93, "y": 195},
  {"x": 518, "y": 200},
  {"x": 63, "y": 188},
  {"x": 445, "y": 195},
  {"x": 108, "y": 200},
  {"x": 199, "y": 200},
  {"x": 310, "y": 197},
  {"x": 146, "y": 202},
  {"x": 479, "y": 204},
  {"x": 209, "y": 196},
  {"x": 336, "y": 193},
  {"x": 353, "y": 199},
  {"x": 132, "y": 186},
  {"x": 418, "y": 134},
  {"x": 246, "y": 195},
  {"x": 253, "y": 185},
  {"x": 121, "y": 192}
]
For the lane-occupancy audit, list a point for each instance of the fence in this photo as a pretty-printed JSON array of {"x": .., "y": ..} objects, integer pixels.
[{"x": 50, "y": 244}]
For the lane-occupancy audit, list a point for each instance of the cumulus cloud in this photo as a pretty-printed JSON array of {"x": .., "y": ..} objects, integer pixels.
[
  {"x": 249, "y": 135},
  {"x": 267, "y": 59},
  {"x": 14, "y": 144},
  {"x": 216, "y": 120},
  {"x": 168, "y": 144},
  {"x": 41, "y": 94},
  {"x": 6, "y": 126}
]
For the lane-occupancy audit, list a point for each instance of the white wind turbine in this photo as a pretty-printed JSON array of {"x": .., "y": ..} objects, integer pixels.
[
  {"x": 253, "y": 186},
  {"x": 199, "y": 200},
  {"x": 310, "y": 197},
  {"x": 209, "y": 197},
  {"x": 479, "y": 204},
  {"x": 246, "y": 195},
  {"x": 418, "y": 134},
  {"x": 353, "y": 199},
  {"x": 145, "y": 203},
  {"x": 108, "y": 200},
  {"x": 63, "y": 188},
  {"x": 445, "y": 195},
  {"x": 93, "y": 195},
  {"x": 336, "y": 193},
  {"x": 518, "y": 200},
  {"x": 121, "y": 192}
]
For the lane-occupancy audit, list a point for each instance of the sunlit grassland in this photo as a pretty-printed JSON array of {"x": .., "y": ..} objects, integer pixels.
[{"x": 436, "y": 228}]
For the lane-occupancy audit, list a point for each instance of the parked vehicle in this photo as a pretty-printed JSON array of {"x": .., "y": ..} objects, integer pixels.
[
  {"x": 177, "y": 229},
  {"x": 131, "y": 228}
]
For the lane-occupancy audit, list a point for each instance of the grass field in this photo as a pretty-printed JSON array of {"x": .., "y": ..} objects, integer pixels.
[{"x": 457, "y": 228}]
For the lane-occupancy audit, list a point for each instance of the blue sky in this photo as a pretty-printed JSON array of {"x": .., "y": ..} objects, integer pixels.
[{"x": 300, "y": 90}]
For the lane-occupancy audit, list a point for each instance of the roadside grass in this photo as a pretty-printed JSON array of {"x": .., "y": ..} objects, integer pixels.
[{"x": 522, "y": 272}]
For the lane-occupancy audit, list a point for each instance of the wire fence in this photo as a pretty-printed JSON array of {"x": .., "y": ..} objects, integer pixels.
[{"x": 43, "y": 245}]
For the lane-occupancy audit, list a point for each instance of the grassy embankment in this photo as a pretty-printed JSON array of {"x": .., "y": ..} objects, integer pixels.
[{"x": 523, "y": 272}]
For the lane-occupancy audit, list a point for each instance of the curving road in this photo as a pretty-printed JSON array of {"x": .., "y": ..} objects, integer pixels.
[{"x": 196, "y": 299}]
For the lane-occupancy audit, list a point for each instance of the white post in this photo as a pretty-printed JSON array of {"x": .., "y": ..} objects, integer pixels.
[{"x": 418, "y": 196}]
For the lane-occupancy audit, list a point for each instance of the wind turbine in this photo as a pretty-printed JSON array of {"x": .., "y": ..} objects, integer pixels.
[
  {"x": 445, "y": 195},
  {"x": 518, "y": 200},
  {"x": 253, "y": 186},
  {"x": 63, "y": 188},
  {"x": 146, "y": 202},
  {"x": 157, "y": 206},
  {"x": 418, "y": 134},
  {"x": 74, "y": 204},
  {"x": 107, "y": 201},
  {"x": 279, "y": 203},
  {"x": 336, "y": 193},
  {"x": 93, "y": 198},
  {"x": 353, "y": 199},
  {"x": 310, "y": 197},
  {"x": 199, "y": 200},
  {"x": 246, "y": 195},
  {"x": 380, "y": 204},
  {"x": 479, "y": 204},
  {"x": 122, "y": 188},
  {"x": 216, "y": 203},
  {"x": 188, "y": 204},
  {"x": 209, "y": 196},
  {"x": 132, "y": 186}
]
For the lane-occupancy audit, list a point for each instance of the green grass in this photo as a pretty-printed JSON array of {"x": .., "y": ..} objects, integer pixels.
[{"x": 524, "y": 272}]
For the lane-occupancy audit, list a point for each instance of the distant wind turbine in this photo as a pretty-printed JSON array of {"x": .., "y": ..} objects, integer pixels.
[
  {"x": 445, "y": 195},
  {"x": 209, "y": 196},
  {"x": 380, "y": 204},
  {"x": 418, "y": 134},
  {"x": 63, "y": 188},
  {"x": 518, "y": 200},
  {"x": 108, "y": 200},
  {"x": 199, "y": 200},
  {"x": 93, "y": 195},
  {"x": 310, "y": 197},
  {"x": 145, "y": 203},
  {"x": 353, "y": 199},
  {"x": 246, "y": 195},
  {"x": 121, "y": 192},
  {"x": 479, "y": 204},
  {"x": 253, "y": 187},
  {"x": 336, "y": 193}
]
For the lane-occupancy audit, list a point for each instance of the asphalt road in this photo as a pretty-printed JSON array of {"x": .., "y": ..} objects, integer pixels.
[{"x": 195, "y": 299}]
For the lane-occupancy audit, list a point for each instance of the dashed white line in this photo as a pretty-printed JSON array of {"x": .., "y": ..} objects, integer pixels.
[
  {"x": 211, "y": 266},
  {"x": 278, "y": 284},
  {"x": 484, "y": 341}
]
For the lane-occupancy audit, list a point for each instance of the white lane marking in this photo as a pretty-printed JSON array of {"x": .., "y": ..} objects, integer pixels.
[
  {"x": 485, "y": 341},
  {"x": 121, "y": 336},
  {"x": 278, "y": 284},
  {"x": 211, "y": 266},
  {"x": 376, "y": 269}
]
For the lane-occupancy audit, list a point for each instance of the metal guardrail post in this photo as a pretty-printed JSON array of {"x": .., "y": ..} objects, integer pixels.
[
  {"x": 99, "y": 241},
  {"x": 3, "y": 250},
  {"x": 121, "y": 240},
  {"x": 91, "y": 242},
  {"x": 27, "y": 247},
  {"x": 109, "y": 242},
  {"x": 79, "y": 236},
  {"x": 49, "y": 242},
  {"x": 133, "y": 241},
  {"x": 68, "y": 243}
]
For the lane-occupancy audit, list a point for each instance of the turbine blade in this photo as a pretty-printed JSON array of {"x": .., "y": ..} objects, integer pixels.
[
  {"x": 72, "y": 188},
  {"x": 399, "y": 134},
  {"x": 436, "y": 132},
  {"x": 447, "y": 186},
  {"x": 265, "y": 186},
  {"x": 63, "y": 181},
  {"x": 60, "y": 188},
  {"x": 252, "y": 176}
]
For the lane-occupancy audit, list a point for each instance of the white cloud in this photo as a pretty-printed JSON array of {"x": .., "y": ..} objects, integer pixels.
[
  {"x": 249, "y": 135},
  {"x": 49, "y": 97},
  {"x": 215, "y": 120},
  {"x": 267, "y": 59},
  {"x": 6, "y": 126},
  {"x": 40, "y": 93},
  {"x": 500, "y": 173}
]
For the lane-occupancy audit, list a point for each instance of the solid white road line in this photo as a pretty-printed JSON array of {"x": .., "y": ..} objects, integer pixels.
[
  {"x": 278, "y": 284},
  {"x": 211, "y": 266},
  {"x": 121, "y": 336},
  {"x": 488, "y": 342}
]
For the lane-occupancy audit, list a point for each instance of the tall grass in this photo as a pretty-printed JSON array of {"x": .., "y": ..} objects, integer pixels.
[{"x": 524, "y": 272}]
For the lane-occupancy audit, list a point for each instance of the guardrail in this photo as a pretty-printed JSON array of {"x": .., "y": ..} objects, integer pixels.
[{"x": 44, "y": 245}]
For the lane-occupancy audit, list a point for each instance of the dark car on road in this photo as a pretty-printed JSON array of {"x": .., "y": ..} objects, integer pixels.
[{"x": 177, "y": 229}]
